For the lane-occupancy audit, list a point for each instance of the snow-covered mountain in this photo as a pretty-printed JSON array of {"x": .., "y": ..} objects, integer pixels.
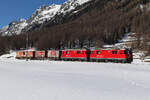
[
  {"x": 15, "y": 27},
  {"x": 43, "y": 15}
]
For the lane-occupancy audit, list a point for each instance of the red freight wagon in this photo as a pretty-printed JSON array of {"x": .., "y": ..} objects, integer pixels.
[
  {"x": 53, "y": 54},
  {"x": 73, "y": 55},
  {"x": 20, "y": 54},
  {"x": 40, "y": 54},
  {"x": 30, "y": 54}
]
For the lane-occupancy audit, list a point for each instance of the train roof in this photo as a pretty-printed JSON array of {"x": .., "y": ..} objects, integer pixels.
[{"x": 98, "y": 49}]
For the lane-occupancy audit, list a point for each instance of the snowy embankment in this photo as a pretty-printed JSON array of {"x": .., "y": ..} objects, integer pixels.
[{"x": 58, "y": 80}]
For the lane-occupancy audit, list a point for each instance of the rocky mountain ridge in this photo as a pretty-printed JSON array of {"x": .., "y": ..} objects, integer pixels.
[{"x": 43, "y": 15}]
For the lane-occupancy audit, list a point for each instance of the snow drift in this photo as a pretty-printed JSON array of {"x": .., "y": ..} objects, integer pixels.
[{"x": 58, "y": 80}]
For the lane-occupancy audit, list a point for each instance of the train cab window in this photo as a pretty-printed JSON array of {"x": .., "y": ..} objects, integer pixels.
[
  {"x": 82, "y": 52},
  {"x": 92, "y": 52},
  {"x": 67, "y": 52},
  {"x": 97, "y": 52},
  {"x": 121, "y": 52},
  {"x": 78, "y": 52},
  {"x": 114, "y": 52},
  {"x": 126, "y": 52}
]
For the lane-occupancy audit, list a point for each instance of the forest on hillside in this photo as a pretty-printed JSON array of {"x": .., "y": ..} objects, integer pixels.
[{"x": 103, "y": 22}]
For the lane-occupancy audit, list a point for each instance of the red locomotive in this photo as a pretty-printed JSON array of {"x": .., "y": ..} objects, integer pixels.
[
  {"x": 124, "y": 56},
  {"x": 98, "y": 55}
]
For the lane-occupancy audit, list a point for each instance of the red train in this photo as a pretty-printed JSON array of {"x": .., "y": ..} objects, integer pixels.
[{"x": 123, "y": 56}]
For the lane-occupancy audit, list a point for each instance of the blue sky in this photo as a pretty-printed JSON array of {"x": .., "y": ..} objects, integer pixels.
[{"x": 16, "y": 9}]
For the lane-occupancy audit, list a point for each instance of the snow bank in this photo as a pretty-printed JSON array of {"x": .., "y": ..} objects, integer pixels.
[
  {"x": 9, "y": 56},
  {"x": 58, "y": 80}
]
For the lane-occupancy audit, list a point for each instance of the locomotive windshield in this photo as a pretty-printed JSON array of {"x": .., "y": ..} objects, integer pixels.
[
  {"x": 114, "y": 52},
  {"x": 127, "y": 52}
]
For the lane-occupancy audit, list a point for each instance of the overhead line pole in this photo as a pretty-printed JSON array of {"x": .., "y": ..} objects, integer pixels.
[{"x": 27, "y": 40}]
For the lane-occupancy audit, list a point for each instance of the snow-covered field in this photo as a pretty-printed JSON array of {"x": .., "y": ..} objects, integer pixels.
[{"x": 58, "y": 80}]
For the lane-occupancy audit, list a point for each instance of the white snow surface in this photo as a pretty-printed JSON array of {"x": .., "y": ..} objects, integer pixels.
[
  {"x": 70, "y": 5},
  {"x": 83, "y": 1},
  {"x": 58, "y": 80}
]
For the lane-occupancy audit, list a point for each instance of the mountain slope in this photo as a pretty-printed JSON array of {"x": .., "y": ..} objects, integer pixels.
[
  {"x": 15, "y": 27},
  {"x": 41, "y": 16}
]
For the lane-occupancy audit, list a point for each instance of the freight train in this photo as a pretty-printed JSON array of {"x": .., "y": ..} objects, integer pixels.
[{"x": 116, "y": 55}]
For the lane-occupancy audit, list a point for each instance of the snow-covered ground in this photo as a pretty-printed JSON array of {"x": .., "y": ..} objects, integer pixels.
[{"x": 58, "y": 80}]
